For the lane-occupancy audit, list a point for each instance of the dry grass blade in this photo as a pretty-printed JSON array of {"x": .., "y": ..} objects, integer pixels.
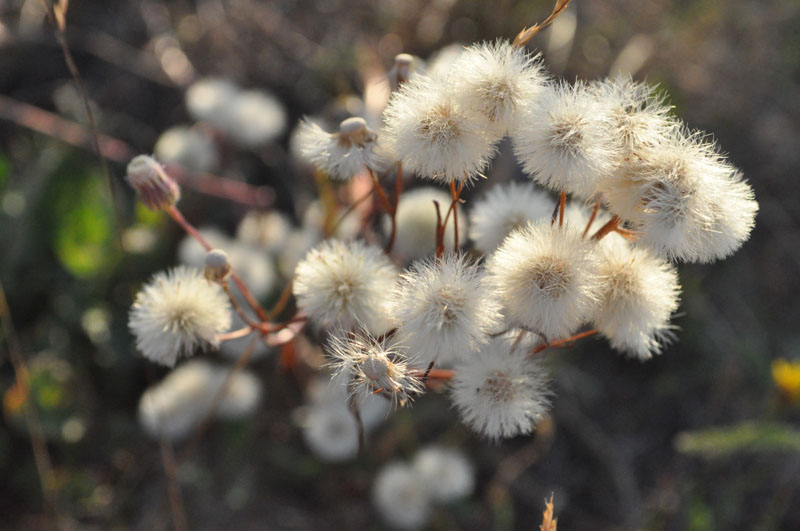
[
  {"x": 548, "y": 522},
  {"x": 524, "y": 36}
]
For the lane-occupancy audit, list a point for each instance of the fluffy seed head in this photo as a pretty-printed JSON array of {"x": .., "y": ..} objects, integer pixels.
[
  {"x": 345, "y": 284},
  {"x": 446, "y": 471},
  {"x": 253, "y": 118},
  {"x": 545, "y": 276},
  {"x": 500, "y": 392},
  {"x": 342, "y": 155},
  {"x": 401, "y": 496},
  {"x": 444, "y": 308},
  {"x": 563, "y": 140},
  {"x": 154, "y": 187},
  {"x": 433, "y": 135},
  {"x": 189, "y": 147},
  {"x": 494, "y": 80},
  {"x": 505, "y": 208},
  {"x": 177, "y": 312},
  {"x": 330, "y": 431},
  {"x": 639, "y": 293},
  {"x": 207, "y": 99}
]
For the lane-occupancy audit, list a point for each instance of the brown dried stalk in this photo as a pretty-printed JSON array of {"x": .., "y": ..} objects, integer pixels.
[{"x": 524, "y": 36}]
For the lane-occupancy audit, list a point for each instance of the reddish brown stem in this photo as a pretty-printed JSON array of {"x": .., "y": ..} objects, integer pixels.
[
  {"x": 439, "y": 231},
  {"x": 564, "y": 341},
  {"x": 591, "y": 218},
  {"x": 610, "y": 226},
  {"x": 562, "y": 205}
]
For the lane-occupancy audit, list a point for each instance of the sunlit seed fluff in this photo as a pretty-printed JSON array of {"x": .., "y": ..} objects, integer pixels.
[
  {"x": 156, "y": 189},
  {"x": 405, "y": 66},
  {"x": 343, "y": 155},
  {"x": 563, "y": 140},
  {"x": 331, "y": 432},
  {"x": 176, "y": 313},
  {"x": 416, "y": 223},
  {"x": 687, "y": 201},
  {"x": 207, "y": 99},
  {"x": 345, "y": 284},
  {"x": 445, "y": 309},
  {"x": 188, "y": 147},
  {"x": 177, "y": 404},
  {"x": 433, "y": 135},
  {"x": 639, "y": 117},
  {"x": 254, "y": 118},
  {"x": 267, "y": 230},
  {"x": 546, "y": 277},
  {"x": 446, "y": 471},
  {"x": 500, "y": 392},
  {"x": 401, "y": 496},
  {"x": 370, "y": 365},
  {"x": 505, "y": 208},
  {"x": 639, "y": 294},
  {"x": 495, "y": 79}
]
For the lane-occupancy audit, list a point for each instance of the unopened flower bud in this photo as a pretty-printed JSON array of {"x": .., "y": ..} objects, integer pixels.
[
  {"x": 217, "y": 265},
  {"x": 354, "y": 132},
  {"x": 155, "y": 188},
  {"x": 404, "y": 66}
]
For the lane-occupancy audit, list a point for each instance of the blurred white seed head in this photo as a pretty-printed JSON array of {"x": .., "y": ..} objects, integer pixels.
[
  {"x": 504, "y": 208},
  {"x": 254, "y": 118},
  {"x": 444, "y": 309},
  {"x": 176, "y": 313},
  {"x": 189, "y": 147},
  {"x": 267, "y": 230},
  {"x": 369, "y": 364},
  {"x": 330, "y": 431},
  {"x": 433, "y": 135},
  {"x": 207, "y": 99},
  {"x": 156, "y": 189},
  {"x": 345, "y": 284},
  {"x": 500, "y": 392},
  {"x": 494, "y": 80},
  {"x": 405, "y": 65},
  {"x": 341, "y": 155},
  {"x": 447, "y": 473},
  {"x": 639, "y": 293},
  {"x": 563, "y": 140},
  {"x": 546, "y": 277},
  {"x": 441, "y": 62},
  {"x": 416, "y": 223},
  {"x": 335, "y": 389},
  {"x": 177, "y": 404},
  {"x": 217, "y": 265},
  {"x": 401, "y": 496}
]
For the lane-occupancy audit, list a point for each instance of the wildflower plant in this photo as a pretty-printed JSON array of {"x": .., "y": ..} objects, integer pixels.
[{"x": 404, "y": 295}]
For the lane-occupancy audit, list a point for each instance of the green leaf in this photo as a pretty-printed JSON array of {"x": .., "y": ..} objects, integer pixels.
[
  {"x": 745, "y": 437},
  {"x": 84, "y": 225}
]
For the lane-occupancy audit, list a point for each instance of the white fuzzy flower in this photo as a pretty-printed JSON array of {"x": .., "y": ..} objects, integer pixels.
[
  {"x": 267, "y": 230},
  {"x": 446, "y": 471},
  {"x": 500, "y": 392},
  {"x": 253, "y": 118},
  {"x": 176, "y": 313},
  {"x": 685, "y": 200},
  {"x": 494, "y": 80},
  {"x": 445, "y": 309},
  {"x": 433, "y": 135},
  {"x": 401, "y": 496},
  {"x": 370, "y": 365},
  {"x": 639, "y": 117},
  {"x": 639, "y": 294},
  {"x": 188, "y": 147},
  {"x": 177, "y": 404},
  {"x": 441, "y": 62},
  {"x": 208, "y": 99},
  {"x": 505, "y": 208},
  {"x": 416, "y": 223},
  {"x": 345, "y": 284},
  {"x": 330, "y": 431},
  {"x": 341, "y": 155},
  {"x": 546, "y": 278},
  {"x": 563, "y": 140}
]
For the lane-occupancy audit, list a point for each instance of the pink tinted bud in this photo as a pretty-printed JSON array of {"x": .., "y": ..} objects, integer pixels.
[{"x": 155, "y": 188}]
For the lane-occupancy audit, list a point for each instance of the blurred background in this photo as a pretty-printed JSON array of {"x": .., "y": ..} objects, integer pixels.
[{"x": 706, "y": 436}]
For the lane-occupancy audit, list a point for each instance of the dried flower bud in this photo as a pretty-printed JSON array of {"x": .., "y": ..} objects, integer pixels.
[
  {"x": 155, "y": 188},
  {"x": 354, "y": 132},
  {"x": 404, "y": 66},
  {"x": 217, "y": 265}
]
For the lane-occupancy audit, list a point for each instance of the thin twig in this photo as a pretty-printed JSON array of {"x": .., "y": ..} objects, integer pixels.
[
  {"x": 610, "y": 226},
  {"x": 564, "y": 341},
  {"x": 173, "y": 487},
  {"x": 454, "y": 195},
  {"x": 591, "y": 218},
  {"x": 524, "y": 36},
  {"x": 562, "y": 205}
]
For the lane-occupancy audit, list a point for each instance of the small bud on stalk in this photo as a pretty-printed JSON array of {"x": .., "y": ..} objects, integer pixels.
[
  {"x": 217, "y": 265},
  {"x": 155, "y": 188}
]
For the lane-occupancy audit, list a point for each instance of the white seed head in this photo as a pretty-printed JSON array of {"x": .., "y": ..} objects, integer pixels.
[
  {"x": 254, "y": 118},
  {"x": 639, "y": 295},
  {"x": 345, "y": 284},
  {"x": 444, "y": 309},
  {"x": 189, "y": 147},
  {"x": 217, "y": 265},
  {"x": 405, "y": 65},
  {"x": 546, "y": 278},
  {"x": 446, "y": 471},
  {"x": 176, "y": 313},
  {"x": 500, "y": 392},
  {"x": 342, "y": 155},
  {"x": 416, "y": 223},
  {"x": 207, "y": 99},
  {"x": 494, "y": 80},
  {"x": 563, "y": 141},
  {"x": 401, "y": 496},
  {"x": 506, "y": 207},
  {"x": 154, "y": 187},
  {"x": 330, "y": 431},
  {"x": 433, "y": 135},
  {"x": 267, "y": 230}
]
